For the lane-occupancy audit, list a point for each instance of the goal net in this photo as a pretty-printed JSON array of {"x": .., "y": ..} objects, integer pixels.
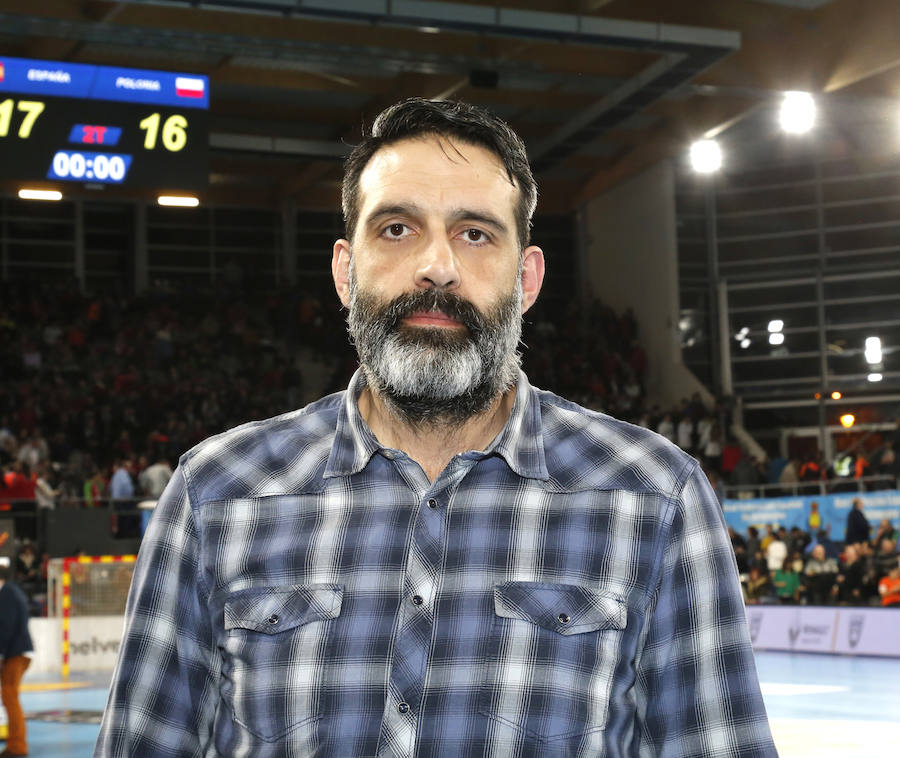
[{"x": 88, "y": 595}]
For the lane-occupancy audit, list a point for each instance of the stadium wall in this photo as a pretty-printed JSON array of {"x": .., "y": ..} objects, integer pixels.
[{"x": 631, "y": 259}]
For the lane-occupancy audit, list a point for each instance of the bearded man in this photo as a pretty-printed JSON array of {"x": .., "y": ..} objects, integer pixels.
[{"x": 442, "y": 560}]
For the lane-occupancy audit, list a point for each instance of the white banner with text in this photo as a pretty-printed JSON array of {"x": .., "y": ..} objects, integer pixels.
[{"x": 817, "y": 629}]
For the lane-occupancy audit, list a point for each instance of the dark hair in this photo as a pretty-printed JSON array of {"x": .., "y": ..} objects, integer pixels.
[{"x": 417, "y": 117}]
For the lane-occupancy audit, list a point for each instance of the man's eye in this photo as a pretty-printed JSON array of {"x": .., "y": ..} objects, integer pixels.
[
  {"x": 396, "y": 231},
  {"x": 475, "y": 235}
]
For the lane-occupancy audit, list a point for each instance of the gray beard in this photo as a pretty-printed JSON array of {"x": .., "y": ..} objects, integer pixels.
[{"x": 432, "y": 375}]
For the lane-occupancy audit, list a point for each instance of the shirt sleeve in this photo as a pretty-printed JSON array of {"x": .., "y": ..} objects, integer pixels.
[
  {"x": 697, "y": 691},
  {"x": 163, "y": 697}
]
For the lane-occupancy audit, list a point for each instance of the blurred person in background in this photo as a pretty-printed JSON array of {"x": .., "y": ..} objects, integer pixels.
[
  {"x": 787, "y": 583},
  {"x": 121, "y": 486},
  {"x": 820, "y": 573},
  {"x": 858, "y": 527},
  {"x": 44, "y": 493},
  {"x": 15, "y": 644},
  {"x": 154, "y": 478}
]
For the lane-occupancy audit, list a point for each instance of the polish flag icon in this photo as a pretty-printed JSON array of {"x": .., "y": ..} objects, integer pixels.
[{"x": 187, "y": 86}]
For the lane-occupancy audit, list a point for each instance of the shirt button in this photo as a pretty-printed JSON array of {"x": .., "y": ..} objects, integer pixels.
[
  {"x": 563, "y": 618},
  {"x": 403, "y": 707},
  {"x": 417, "y": 600},
  {"x": 432, "y": 503},
  {"x": 273, "y": 619},
  {"x": 389, "y": 455}
]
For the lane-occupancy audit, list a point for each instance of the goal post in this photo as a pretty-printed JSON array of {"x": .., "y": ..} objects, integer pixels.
[{"x": 88, "y": 594}]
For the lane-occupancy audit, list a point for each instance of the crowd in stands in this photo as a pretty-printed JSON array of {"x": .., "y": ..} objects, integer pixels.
[
  {"x": 102, "y": 393},
  {"x": 797, "y": 566}
]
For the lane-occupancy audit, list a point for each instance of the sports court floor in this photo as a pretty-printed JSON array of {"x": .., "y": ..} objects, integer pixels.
[{"x": 819, "y": 706}]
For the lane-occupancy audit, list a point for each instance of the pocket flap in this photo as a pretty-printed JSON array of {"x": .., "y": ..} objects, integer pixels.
[
  {"x": 276, "y": 609},
  {"x": 563, "y": 608}
]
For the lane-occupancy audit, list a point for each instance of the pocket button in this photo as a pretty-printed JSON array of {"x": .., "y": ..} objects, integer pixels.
[
  {"x": 273, "y": 619},
  {"x": 563, "y": 618}
]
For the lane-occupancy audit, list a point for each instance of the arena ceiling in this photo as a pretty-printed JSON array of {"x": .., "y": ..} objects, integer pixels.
[{"x": 600, "y": 89}]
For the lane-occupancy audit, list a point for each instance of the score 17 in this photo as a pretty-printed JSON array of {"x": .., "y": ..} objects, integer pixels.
[{"x": 31, "y": 108}]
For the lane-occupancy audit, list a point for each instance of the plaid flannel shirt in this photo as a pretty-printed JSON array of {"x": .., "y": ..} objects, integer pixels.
[{"x": 303, "y": 591}]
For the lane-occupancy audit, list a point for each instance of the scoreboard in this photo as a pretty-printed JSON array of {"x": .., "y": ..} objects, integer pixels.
[{"x": 76, "y": 122}]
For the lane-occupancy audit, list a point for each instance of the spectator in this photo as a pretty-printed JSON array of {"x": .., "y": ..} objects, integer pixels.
[
  {"x": 666, "y": 428},
  {"x": 886, "y": 530},
  {"x": 753, "y": 543},
  {"x": 121, "y": 487},
  {"x": 787, "y": 583},
  {"x": 759, "y": 586},
  {"x": 814, "y": 521},
  {"x": 889, "y": 587},
  {"x": 95, "y": 489},
  {"x": 820, "y": 574},
  {"x": 686, "y": 434},
  {"x": 858, "y": 527},
  {"x": 28, "y": 570},
  {"x": 776, "y": 552},
  {"x": 789, "y": 477},
  {"x": 851, "y": 583},
  {"x": 44, "y": 493},
  {"x": 885, "y": 558},
  {"x": 153, "y": 479}
]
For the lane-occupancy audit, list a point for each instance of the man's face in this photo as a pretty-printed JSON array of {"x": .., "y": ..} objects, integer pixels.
[{"x": 436, "y": 283}]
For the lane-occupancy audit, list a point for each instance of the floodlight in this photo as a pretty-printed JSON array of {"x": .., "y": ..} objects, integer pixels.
[
  {"x": 706, "y": 156},
  {"x": 875, "y": 377},
  {"x": 798, "y": 112},
  {"x": 847, "y": 420},
  {"x": 776, "y": 338},
  {"x": 873, "y": 350},
  {"x": 745, "y": 343},
  {"x": 36, "y": 194},
  {"x": 836, "y": 395},
  {"x": 776, "y": 325}
]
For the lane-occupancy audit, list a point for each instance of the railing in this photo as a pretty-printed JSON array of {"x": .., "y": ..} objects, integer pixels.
[{"x": 817, "y": 487}]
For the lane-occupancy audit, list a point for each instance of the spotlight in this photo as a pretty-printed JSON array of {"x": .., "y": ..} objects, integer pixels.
[
  {"x": 836, "y": 395},
  {"x": 875, "y": 377},
  {"x": 776, "y": 325},
  {"x": 745, "y": 343},
  {"x": 798, "y": 112},
  {"x": 873, "y": 350},
  {"x": 776, "y": 338},
  {"x": 706, "y": 156},
  {"x": 847, "y": 420}
]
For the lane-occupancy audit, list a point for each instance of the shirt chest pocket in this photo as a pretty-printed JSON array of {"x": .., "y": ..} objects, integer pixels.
[
  {"x": 552, "y": 655},
  {"x": 276, "y": 648}
]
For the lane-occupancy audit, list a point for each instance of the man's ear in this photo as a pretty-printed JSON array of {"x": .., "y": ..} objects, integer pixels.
[
  {"x": 532, "y": 275},
  {"x": 340, "y": 270}
]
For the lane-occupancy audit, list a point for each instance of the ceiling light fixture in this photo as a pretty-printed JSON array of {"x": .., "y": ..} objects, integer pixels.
[
  {"x": 36, "y": 194},
  {"x": 706, "y": 156},
  {"x": 178, "y": 201},
  {"x": 798, "y": 112}
]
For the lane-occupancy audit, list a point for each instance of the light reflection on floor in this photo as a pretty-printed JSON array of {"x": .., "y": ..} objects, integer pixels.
[{"x": 819, "y": 707}]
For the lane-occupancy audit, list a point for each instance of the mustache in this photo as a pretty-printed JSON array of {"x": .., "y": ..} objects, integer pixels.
[{"x": 434, "y": 300}]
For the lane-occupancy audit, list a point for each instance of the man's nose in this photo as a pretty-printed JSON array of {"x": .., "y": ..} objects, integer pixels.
[{"x": 437, "y": 265}]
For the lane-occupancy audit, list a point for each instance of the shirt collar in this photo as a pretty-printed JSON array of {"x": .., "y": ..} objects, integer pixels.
[{"x": 520, "y": 442}]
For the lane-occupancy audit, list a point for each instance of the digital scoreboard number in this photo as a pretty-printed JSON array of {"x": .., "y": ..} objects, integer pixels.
[{"x": 74, "y": 122}]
